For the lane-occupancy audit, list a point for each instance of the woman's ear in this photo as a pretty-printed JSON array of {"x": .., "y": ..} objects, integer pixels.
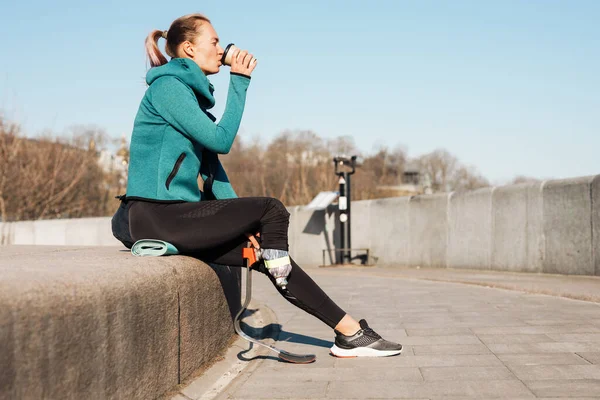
[{"x": 188, "y": 49}]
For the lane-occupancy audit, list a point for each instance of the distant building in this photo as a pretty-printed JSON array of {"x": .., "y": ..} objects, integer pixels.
[
  {"x": 115, "y": 163},
  {"x": 412, "y": 174},
  {"x": 413, "y": 182},
  {"x": 111, "y": 162}
]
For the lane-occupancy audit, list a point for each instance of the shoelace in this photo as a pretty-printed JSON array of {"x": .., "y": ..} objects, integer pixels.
[{"x": 371, "y": 332}]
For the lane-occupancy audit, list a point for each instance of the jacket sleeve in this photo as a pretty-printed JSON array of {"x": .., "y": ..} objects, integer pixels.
[
  {"x": 221, "y": 187},
  {"x": 177, "y": 104}
]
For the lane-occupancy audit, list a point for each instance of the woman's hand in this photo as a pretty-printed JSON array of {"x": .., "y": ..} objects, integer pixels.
[
  {"x": 253, "y": 240},
  {"x": 255, "y": 244},
  {"x": 243, "y": 62}
]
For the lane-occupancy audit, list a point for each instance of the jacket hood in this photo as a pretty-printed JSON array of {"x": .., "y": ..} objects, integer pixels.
[{"x": 188, "y": 72}]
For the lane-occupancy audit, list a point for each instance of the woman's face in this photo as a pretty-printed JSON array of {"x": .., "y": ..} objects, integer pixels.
[{"x": 207, "y": 51}]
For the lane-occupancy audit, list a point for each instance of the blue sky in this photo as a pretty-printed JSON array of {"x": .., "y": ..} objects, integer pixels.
[{"x": 509, "y": 87}]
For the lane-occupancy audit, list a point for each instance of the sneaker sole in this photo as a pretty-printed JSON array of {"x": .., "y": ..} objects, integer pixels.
[{"x": 362, "y": 352}]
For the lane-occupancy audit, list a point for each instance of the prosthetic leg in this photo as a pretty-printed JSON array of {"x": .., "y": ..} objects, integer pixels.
[{"x": 250, "y": 259}]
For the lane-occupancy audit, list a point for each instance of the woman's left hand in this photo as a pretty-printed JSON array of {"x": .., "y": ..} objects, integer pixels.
[
  {"x": 253, "y": 240},
  {"x": 243, "y": 62}
]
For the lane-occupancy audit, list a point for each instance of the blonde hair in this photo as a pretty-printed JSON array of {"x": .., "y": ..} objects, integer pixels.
[{"x": 183, "y": 29}]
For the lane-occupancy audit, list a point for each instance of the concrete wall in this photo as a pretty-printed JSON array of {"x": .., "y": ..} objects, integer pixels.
[
  {"x": 310, "y": 232},
  {"x": 391, "y": 218},
  {"x": 428, "y": 227},
  {"x": 470, "y": 229},
  {"x": 517, "y": 229},
  {"x": 60, "y": 232},
  {"x": 552, "y": 227},
  {"x": 567, "y": 216},
  {"x": 595, "y": 186},
  {"x": 95, "y": 322}
]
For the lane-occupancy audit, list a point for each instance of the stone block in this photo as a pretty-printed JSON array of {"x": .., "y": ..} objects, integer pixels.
[
  {"x": 451, "y": 349},
  {"x": 470, "y": 229},
  {"x": 565, "y": 388},
  {"x": 97, "y": 322},
  {"x": 455, "y": 373},
  {"x": 517, "y": 237},
  {"x": 509, "y": 389},
  {"x": 541, "y": 359},
  {"x": 593, "y": 358},
  {"x": 555, "y": 372},
  {"x": 23, "y": 232},
  {"x": 362, "y": 235},
  {"x": 567, "y": 214},
  {"x": 89, "y": 232},
  {"x": 596, "y": 223},
  {"x": 205, "y": 312},
  {"x": 389, "y": 230},
  {"x": 428, "y": 218},
  {"x": 310, "y": 232}
]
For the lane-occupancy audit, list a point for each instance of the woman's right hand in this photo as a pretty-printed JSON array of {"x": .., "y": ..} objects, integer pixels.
[{"x": 243, "y": 62}]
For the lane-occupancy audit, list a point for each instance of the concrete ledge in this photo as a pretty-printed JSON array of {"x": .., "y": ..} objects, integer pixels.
[
  {"x": 567, "y": 216},
  {"x": 259, "y": 321},
  {"x": 96, "y": 322}
]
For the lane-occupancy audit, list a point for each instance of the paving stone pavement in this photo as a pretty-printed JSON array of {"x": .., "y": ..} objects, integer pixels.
[{"x": 460, "y": 342}]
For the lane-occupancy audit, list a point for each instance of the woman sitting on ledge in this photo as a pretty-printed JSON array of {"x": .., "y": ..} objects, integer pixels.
[{"x": 175, "y": 139}]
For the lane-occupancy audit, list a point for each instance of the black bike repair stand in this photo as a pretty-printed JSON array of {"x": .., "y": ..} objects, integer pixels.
[{"x": 345, "y": 168}]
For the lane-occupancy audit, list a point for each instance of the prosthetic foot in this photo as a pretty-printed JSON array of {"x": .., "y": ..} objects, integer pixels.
[{"x": 249, "y": 256}]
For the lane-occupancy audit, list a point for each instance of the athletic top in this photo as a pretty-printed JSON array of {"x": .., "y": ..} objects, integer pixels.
[{"x": 173, "y": 129}]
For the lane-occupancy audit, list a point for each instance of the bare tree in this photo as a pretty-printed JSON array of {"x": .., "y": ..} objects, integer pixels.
[
  {"x": 525, "y": 179},
  {"x": 446, "y": 173},
  {"x": 60, "y": 177},
  {"x": 10, "y": 144},
  {"x": 45, "y": 177},
  {"x": 439, "y": 165},
  {"x": 343, "y": 145},
  {"x": 467, "y": 178}
]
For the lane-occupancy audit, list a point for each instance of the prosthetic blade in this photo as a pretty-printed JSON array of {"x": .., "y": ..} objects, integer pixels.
[{"x": 284, "y": 355}]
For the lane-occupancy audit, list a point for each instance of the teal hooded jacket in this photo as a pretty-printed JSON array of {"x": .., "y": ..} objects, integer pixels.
[{"x": 173, "y": 129}]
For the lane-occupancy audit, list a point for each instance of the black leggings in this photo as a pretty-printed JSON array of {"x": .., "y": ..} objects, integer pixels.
[{"x": 214, "y": 231}]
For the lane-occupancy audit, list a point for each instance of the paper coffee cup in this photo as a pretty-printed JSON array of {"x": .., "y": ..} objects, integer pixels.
[{"x": 228, "y": 54}]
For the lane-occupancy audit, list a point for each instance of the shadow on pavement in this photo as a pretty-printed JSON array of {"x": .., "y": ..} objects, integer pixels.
[{"x": 273, "y": 331}]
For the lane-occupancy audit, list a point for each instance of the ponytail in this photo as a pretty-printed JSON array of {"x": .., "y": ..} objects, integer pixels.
[
  {"x": 183, "y": 28},
  {"x": 154, "y": 54}
]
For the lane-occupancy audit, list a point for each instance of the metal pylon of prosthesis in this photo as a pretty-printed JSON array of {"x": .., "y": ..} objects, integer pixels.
[{"x": 249, "y": 260}]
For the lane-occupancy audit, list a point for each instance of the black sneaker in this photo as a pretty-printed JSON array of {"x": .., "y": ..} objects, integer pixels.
[{"x": 364, "y": 343}]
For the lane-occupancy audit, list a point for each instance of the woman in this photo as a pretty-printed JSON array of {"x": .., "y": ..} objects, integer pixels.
[{"x": 175, "y": 139}]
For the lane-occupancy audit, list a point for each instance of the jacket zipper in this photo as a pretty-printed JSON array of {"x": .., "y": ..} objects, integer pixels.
[{"x": 175, "y": 169}]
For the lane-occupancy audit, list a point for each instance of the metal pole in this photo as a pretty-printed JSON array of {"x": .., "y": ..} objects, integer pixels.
[
  {"x": 348, "y": 195},
  {"x": 343, "y": 218}
]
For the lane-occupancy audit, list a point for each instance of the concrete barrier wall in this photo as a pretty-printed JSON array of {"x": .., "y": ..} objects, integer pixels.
[
  {"x": 60, "y": 232},
  {"x": 391, "y": 219},
  {"x": 595, "y": 186},
  {"x": 552, "y": 226},
  {"x": 361, "y": 224},
  {"x": 567, "y": 216},
  {"x": 517, "y": 230},
  {"x": 98, "y": 323},
  {"x": 470, "y": 229},
  {"x": 310, "y": 232},
  {"x": 428, "y": 226}
]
